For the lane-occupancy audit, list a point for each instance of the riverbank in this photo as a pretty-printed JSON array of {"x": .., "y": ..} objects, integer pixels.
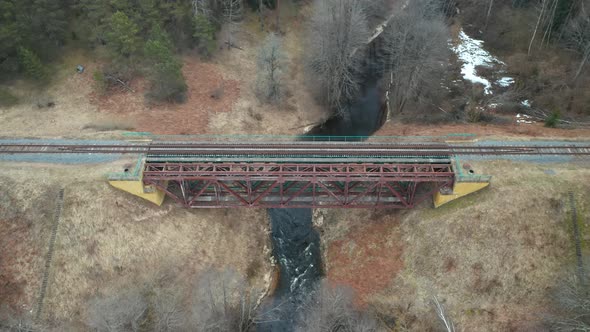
[
  {"x": 109, "y": 240},
  {"x": 491, "y": 258}
]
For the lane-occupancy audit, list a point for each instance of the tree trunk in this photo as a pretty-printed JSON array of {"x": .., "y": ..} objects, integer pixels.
[
  {"x": 230, "y": 23},
  {"x": 278, "y": 15},
  {"x": 388, "y": 98},
  {"x": 549, "y": 28},
  {"x": 488, "y": 15},
  {"x": 583, "y": 62},
  {"x": 260, "y": 15},
  {"x": 536, "y": 27}
]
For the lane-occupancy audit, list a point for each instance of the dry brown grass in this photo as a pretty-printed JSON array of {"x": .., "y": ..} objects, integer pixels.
[
  {"x": 298, "y": 108},
  {"x": 70, "y": 93},
  {"x": 25, "y": 223},
  {"x": 110, "y": 125},
  {"x": 237, "y": 111},
  {"x": 108, "y": 238},
  {"x": 491, "y": 257}
]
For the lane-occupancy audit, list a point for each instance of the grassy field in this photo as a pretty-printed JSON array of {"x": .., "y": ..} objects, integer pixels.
[
  {"x": 109, "y": 240},
  {"x": 491, "y": 258}
]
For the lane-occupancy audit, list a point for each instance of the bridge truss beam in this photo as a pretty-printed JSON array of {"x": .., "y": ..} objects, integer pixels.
[{"x": 270, "y": 185}]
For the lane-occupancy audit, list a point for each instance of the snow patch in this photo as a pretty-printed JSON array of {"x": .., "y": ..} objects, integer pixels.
[
  {"x": 526, "y": 103},
  {"x": 505, "y": 82},
  {"x": 470, "y": 51},
  {"x": 523, "y": 118}
]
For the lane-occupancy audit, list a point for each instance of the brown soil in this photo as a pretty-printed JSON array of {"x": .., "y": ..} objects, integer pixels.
[
  {"x": 208, "y": 93},
  {"x": 367, "y": 257},
  {"x": 14, "y": 247},
  {"x": 23, "y": 241}
]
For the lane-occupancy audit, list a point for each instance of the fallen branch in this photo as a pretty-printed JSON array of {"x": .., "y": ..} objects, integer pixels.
[
  {"x": 540, "y": 115},
  {"x": 307, "y": 125},
  {"x": 118, "y": 80},
  {"x": 233, "y": 45}
]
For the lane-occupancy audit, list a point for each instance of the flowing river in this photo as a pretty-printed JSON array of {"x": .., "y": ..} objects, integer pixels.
[{"x": 296, "y": 244}]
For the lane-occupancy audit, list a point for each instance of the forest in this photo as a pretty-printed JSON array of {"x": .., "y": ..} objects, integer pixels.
[{"x": 545, "y": 44}]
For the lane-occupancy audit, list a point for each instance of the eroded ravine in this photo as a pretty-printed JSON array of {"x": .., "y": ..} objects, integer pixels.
[{"x": 296, "y": 243}]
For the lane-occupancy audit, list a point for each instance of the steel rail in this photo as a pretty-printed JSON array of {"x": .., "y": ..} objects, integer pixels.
[
  {"x": 324, "y": 153},
  {"x": 306, "y": 149},
  {"x": 294, "y": 145}
]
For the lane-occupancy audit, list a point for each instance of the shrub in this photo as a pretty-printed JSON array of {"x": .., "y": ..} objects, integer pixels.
[
  {"x": 167, "y": 85},
  {"x": 100, "y": 81},
  {"x": 124, "y": 310},
  {"x": 474, "y": 114},
  {"x": 9, "y": 67},
  {"x": 109, "y": 125},
  {"x": 165, "y": 75},
  {"x": 552, "y": 120},
  {"x": 31, "y": 64},
  {"x": 7, "y": 99}
]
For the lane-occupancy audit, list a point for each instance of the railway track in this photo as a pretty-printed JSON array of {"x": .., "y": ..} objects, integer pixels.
[{"x": 295, "y": 149}]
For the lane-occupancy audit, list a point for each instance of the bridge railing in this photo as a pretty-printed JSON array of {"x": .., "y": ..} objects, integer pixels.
[
  {"x": 474, "y": 178},
  {"x": 292, "y": 138}
]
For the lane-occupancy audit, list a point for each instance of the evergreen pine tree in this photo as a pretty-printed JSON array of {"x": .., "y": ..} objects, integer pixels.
[
  {"x": 10, "y": 37},
  {"x": 123, "y": 36},
  {"x": 49, "y": 21},
  {"x": 204, "y": 34},
  {"x": 30, "y": 64},
  {"x": 165, "y": 74}
]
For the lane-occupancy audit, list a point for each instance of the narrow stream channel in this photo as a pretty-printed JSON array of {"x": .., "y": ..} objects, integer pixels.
[{"x": 296, "y": 244}]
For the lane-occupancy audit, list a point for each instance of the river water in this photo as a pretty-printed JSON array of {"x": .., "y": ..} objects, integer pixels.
[{"x": 296, "y": 243}]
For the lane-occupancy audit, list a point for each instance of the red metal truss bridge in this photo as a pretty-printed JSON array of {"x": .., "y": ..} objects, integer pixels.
[
  {"x": 297, "y": 185},
  {"x": 298, "y": 174}
]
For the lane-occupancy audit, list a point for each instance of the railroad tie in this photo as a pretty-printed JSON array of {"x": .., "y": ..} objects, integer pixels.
[{"x": 49, "y": 255}]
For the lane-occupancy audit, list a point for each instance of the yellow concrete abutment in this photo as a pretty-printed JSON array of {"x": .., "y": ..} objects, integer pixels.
[
  {"x": 460, "y": 189},
  {"x": 137, "y": 188}
]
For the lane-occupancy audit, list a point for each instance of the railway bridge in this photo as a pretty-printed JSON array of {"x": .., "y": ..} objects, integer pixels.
[{"x": 297, "y": 174}]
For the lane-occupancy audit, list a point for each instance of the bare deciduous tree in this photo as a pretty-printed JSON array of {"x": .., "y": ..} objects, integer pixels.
[
  {"x": 337, "y": 28},
  {"x": 169, "y": 314},
  {"x": 376, "y": 8},
  {"x": 223, "y": 302},
  {"x": 417, "y": 53},
  {"x": 201, "y": 7},
  {"x": 122, "y": 311},
  {"x": 489, "y": 12},
  {"x": 11, "y": 321},
  {"x": 270, "y": 62},
  {"x": 232, "y": 11},
  {"x": 442, "y": 315},
  {"x": 572, "y": 301},
  {"x": 550, "y": 19},
  {"x": 536, "y": 29},
  {"x": 577, "y": 35},
  {"x": 331, "y": 308}
]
